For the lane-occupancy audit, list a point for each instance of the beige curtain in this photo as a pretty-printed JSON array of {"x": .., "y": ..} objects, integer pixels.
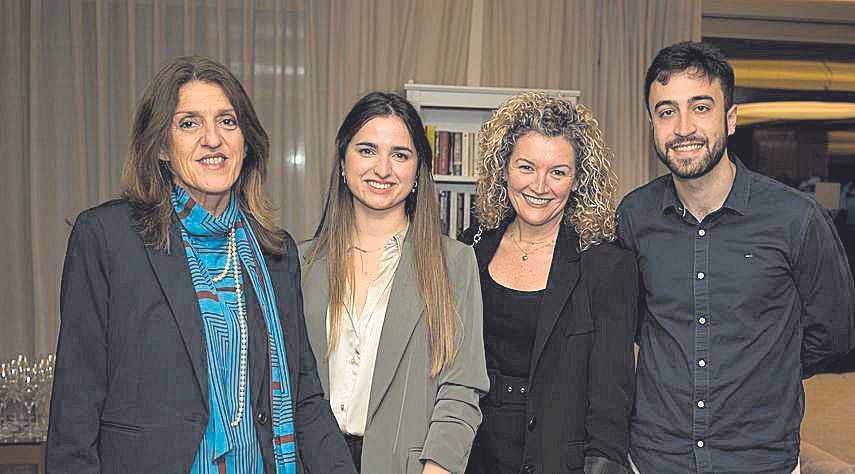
[
  {"x": 600, "y": 47},
  {"x": 73, "y": 69}
]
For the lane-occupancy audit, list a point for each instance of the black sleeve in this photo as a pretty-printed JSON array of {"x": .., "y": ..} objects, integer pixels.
[
  {"x": 322, "y": 447},
  {"x": 80, "y": 378},
  {"x": 611, "y": 379}
]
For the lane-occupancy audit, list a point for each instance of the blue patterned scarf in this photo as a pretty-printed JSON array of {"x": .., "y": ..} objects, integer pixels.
[{"x": 205, "y": 240}]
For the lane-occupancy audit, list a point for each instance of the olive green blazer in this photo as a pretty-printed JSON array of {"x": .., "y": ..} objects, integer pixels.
[{"x": 413, "y": 417}]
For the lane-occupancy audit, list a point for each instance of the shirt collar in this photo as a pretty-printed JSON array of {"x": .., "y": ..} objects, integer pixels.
[
  {"x": 398, "y": 239},
  {"x": 737, "y": 198}
]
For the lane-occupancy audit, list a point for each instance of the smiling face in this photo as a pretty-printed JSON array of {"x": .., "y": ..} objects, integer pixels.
[
  {"x": 207, "y": 146},
  {"x": 689, "y": 123},
  {"x": 540, "y": 177},
  {"x": 380, "y": 166}
]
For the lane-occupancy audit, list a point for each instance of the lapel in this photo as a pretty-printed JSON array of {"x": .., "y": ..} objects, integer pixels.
[
  {"x": 173, "y": 276},
  {"x": 316, "y": 292},
  {"x": 403, "y": 312},
  {"x": 286, "y": 297},
  {"x": 563, "y": 277}
]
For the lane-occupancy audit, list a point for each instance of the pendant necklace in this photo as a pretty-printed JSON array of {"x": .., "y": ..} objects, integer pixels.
[{"x": 535, "y": 245}]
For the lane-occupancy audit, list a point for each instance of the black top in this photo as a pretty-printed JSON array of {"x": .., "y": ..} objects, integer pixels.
[
  {"x": 510, "y": 323},
  {"x": 735, "y": 310}
]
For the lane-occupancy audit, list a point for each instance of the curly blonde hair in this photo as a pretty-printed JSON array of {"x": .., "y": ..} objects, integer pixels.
[{"x": 590, "y": 209}]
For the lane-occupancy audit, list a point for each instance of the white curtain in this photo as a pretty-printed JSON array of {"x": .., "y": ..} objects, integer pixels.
[{"x": 72, "y": 71}]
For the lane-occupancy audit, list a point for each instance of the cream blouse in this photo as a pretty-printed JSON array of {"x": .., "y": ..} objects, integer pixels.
[{"x": 351, "y": 363}]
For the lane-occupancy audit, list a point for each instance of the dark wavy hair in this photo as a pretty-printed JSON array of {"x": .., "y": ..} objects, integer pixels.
[
  {"x": 699, "y": 58},
  {"x": 147, "y": 180}
]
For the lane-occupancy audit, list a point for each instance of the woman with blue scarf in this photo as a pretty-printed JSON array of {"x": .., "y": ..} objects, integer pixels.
[{"x": 183, "y": 345}]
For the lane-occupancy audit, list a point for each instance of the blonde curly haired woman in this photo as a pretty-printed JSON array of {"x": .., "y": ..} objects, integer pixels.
[{"x": 559, "y": 297}]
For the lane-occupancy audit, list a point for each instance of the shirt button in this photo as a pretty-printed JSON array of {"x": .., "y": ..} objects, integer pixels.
[
  {"x": 261, "y": 418},
  {"x": 702, "y": 320},
  {"x": 342, "y": 407},
  {"x": 702, "y": 232},
  {"x": 702, "y": 363},
  {"x": 532, "y": 422},
  {"x": 700, "y": 444},
  {"x": 701, "y": 275},
  {"x": 701, "y": 404}
]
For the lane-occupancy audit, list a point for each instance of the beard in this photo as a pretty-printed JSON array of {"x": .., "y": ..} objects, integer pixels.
[{"x": 689, "y": 169}]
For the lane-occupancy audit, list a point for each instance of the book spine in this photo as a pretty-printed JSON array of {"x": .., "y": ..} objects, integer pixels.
[
  {"x": 442, "y": 165},
  {"x": 461, "y": 215},
  {"x": 443, "y": 211},
  {"x": 430, "y": 131},
  {"x": 457, "y": 157},
  {"x": 467, "y": 170}
]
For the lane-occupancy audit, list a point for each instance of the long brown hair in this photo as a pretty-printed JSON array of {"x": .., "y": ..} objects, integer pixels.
[
  {"x": 337, "y": 229},
  {"x": 147, "y": 180}
]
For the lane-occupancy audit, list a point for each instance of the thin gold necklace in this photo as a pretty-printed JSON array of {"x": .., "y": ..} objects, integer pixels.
[
  {"x": 535, "y": 245},
  {"x": 362, "y": 253}
]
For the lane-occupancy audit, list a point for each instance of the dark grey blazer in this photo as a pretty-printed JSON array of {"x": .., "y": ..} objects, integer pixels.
[{"x": 131, "y": 386}]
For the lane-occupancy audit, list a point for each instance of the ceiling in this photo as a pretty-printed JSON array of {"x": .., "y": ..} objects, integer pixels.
[{"x": 794, "y": 60}]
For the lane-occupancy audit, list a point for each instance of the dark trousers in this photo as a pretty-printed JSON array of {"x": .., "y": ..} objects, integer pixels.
[
  {"x": 354, "y": 443},
  {"x": 500, "y": 440}
]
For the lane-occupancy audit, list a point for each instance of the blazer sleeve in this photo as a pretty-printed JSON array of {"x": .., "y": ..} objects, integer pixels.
[
  {"x": 322, "y": 447},
  {"x": 611, "y": 379},
  {"x": 80, "y": 377},
  {"x": 456, "y": 414}
]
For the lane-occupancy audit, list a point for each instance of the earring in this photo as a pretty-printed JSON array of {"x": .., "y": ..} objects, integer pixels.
[
  {"x": 415, "y": 185},
  {"x": 343, "y": 177}
]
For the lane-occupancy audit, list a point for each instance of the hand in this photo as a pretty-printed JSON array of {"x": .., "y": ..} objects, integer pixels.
[{"x": 433, "y": 468}]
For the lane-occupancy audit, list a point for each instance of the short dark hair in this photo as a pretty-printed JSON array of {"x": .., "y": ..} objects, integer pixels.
[{"x": 703, "y": 58}]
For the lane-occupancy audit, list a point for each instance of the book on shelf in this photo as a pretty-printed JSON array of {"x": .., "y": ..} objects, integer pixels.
[
  {"x": 455, "y": 211},
  {"x": 462, "y": 214},
  {"x": 444, "y": 197},
  {"x": 454, "y": 151},
  {"x": 430, "y": 131}
]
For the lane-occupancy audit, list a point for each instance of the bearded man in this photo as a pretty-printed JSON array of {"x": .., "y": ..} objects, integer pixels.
[{"x": 745, "y": 287}]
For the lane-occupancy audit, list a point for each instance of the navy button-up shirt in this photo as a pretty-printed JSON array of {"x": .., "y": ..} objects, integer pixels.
[{"x": 735, "y": 311}]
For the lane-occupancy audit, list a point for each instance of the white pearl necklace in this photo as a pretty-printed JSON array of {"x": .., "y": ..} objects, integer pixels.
[{"x": 232, "y": 262}]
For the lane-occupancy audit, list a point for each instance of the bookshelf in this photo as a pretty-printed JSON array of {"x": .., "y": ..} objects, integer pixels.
[{"x": 452, "y": 116}]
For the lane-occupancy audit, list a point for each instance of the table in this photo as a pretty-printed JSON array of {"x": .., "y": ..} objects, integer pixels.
[{"x": 23, "y": 453}]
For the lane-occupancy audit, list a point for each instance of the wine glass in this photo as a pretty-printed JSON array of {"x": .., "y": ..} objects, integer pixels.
[{"x": 5, "y": 400}]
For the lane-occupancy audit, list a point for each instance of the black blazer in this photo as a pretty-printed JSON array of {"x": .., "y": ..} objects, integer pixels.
[
  {"x": 581, "y": 381},
  {"x": 130, "y": 391}
]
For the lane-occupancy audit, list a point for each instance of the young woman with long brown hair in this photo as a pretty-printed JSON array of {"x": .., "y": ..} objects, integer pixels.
[{"x": 393, "y": 307}]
